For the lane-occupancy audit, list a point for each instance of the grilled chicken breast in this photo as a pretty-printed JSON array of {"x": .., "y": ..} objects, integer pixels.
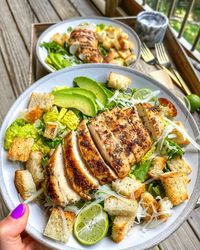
[
  {"x": 57, "y": 185},
  {"x": 84, "y": 44},
  {"x": 77, "y": 173},
  {"x": 121, "y": 130},
  {"x": 109, "y": 146},
  {"x": 92, "y": 157},
  {"x": 151, "y": 118},
  {"x": 142, "y": 143}
]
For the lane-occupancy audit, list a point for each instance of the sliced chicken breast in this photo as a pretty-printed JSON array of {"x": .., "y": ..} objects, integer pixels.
[
  {"x": 57, "y": 185},
  {"x": 121, "y": 130},
  {"x": 92, "y": 157},
  {"x": 152, "y": 119},
  {"x": 77, "y": 173},
  {"x": 109, "y": 146},
  {"x": 142, "y": 142}
]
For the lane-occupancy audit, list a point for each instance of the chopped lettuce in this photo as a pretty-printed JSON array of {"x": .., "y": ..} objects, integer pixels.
[
  {"x": 141, "y": 171},
  {"x": 104, "y": 51},
  {"x": 40, "y": 145},
  {"x": 70, "y": 119},
  {"x": 156, "y": 189},
  {"x": 100, "y": 27},
  {"x": 69, "y": 29},
  {"x": 171, "y": 149},
  {"x": 53, "y": 47},
  {"x": 21, "y": 129},
  {"x": 148, "y": 154}
]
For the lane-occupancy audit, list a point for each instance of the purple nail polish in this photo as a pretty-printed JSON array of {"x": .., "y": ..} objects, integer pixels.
[{"x": 18, "y": 211}]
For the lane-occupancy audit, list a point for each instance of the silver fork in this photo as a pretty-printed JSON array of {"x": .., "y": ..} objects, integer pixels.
[
  {"x": 149, "y": 58},
  {"x": 163, "y": 60}
]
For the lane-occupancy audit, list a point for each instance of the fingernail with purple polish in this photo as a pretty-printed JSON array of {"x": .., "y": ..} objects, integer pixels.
[{"x": 18, "y": 212}]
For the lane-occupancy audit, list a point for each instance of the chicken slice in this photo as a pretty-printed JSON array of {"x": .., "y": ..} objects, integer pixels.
[
  {"x": 136, "y": 132},
  {"x": 152, "y": 119},
  {"x": 77, "y": 173},
  {"x": 110, "y": 148},
  {"x": 141, "y": 140},
  {"x": 57, "y": 185},
  {"x": 121, "y": 130},
  {"x": 92, "y": 157}
]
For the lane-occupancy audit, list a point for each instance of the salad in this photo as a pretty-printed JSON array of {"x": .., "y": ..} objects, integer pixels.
[
  {"x": 89, "y": 43},
  {"x": 100, "y": 158}
]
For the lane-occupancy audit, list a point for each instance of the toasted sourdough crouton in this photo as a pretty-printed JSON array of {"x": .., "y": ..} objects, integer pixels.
[
  {"x": 129, "y": 187},
  {"x": 149, "y": 203},
  {"x": 167, "y": 108},
  {"x": 122, "y": 207},
  {"x": 51, "y": 130},
  {"x": 20, "y": 149},
  {"x": 57, "y": 228},
  {"x": 178, "y": 164},
  {"x": 42, "y": 101},
  {"x": 34, "y": 114},
  {"x": 34, "y": 166},
  {"x": 175, "y": 186},
  {"x": 121, "y": 226},
  {"x": 118, "y": 81},
  {"x": 157, "y": 166},
  {"x": 24, "y": 183},
  {"x": 152, "y": 119},
  {"x": 179, "y": 139},
  {"x": 164, "y": 207}
]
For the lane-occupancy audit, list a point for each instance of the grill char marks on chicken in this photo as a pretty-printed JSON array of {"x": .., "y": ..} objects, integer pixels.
[
  {"x": 121, "y": 128},
  {"x": 78, "y": 175},
  {"x": 110, "y": 147},
  {"x": 87, "y": 45},
  {"x": 57, "y": 186},
  {"x": 92, "y": 157},
  {"x": 143, "y": 137}
]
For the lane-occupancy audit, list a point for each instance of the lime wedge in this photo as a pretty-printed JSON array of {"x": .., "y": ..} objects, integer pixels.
[
  {"x": 91, "y": 225},
  {"x": 141, "y": 94}
]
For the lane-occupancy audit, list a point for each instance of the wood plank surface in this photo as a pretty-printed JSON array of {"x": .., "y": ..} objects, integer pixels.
[
  {"x": 23, "y": 17},
  {"x": 194, "y": 221},
  {"x": 64, "y": 9},
  {"x": 13, "y": 49}
]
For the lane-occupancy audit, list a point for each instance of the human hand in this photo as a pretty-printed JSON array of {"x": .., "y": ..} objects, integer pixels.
[{"x": 12, "y": 235}]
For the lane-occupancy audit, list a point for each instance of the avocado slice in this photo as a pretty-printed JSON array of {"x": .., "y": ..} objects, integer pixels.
[
  {"x": 77, "y": 101},
  {"x": 56, "y": 60},
  {"x": 80, "y": 91},
  {"x": 93, "y": 86}
]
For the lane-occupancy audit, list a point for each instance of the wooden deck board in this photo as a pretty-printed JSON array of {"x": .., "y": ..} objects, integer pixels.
[{"x": 15, "y": 21}]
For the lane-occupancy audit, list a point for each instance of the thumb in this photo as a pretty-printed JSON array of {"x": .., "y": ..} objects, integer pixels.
[{"x": 13, "y": 225}]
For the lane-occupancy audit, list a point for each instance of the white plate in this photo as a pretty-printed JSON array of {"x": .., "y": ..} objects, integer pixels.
[
  {"x": 136, "y": 239},
  {"x": 61, "y": 27}
]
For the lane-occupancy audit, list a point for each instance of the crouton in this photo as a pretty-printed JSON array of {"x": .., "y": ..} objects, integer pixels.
[
  {"x": 118, "y": 61},
  {"x": 121, "y": 226},
  {"x": 157, "y": 166},
  {"x": 24, "y": 183},
  {"x": 129, "y": 187},
  {"x": 124, "y": 53},
  {"x": 20, "y": 149},
  {"x": 164, "y": 208},
  {"x": 34, "y": 166},
  {"x": 57, "y": 228},
  {"x": 58, "y": 39},
  {"x": 149, "y": 203},
  {"x": 122, "y": 207},
  {"x": 42, "y": 101},
  {"x": 179, "y": 139},
  {"x": 118, "y": 81},
  {"x": 130, "y": 59},
  {"x": 178, "y": 164},
  {"x": 167, "y": 108},
  {"x": 34, "y": 114},
  {"x": 175, "y": 186},
  {"x": 51, "y": 130}
]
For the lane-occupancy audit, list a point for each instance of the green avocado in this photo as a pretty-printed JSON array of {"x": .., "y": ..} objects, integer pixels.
[
  {"x": 93, "y": 86},
  {"x": 77, "y": 101},
  {"x": 80, "y": 91}
]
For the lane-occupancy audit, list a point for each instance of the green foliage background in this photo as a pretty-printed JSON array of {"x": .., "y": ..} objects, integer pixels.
[{"x": 193, "y": 24}]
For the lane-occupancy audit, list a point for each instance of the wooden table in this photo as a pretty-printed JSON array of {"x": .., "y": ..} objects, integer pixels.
[{"x": 16, "y": 18}]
